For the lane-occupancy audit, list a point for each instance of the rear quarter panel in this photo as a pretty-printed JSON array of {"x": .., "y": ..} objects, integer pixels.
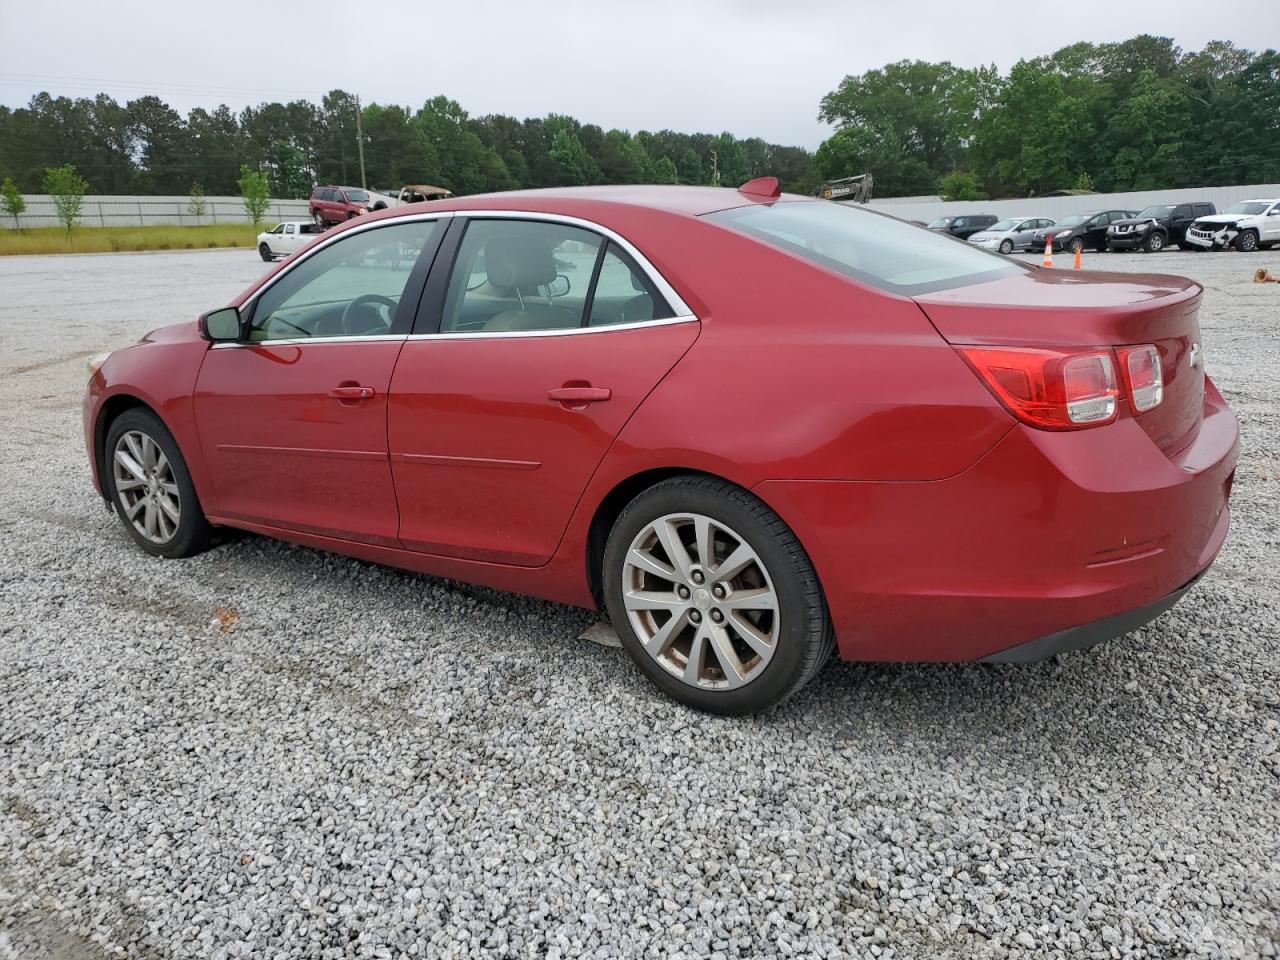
[{"x": 801, "y": 374}]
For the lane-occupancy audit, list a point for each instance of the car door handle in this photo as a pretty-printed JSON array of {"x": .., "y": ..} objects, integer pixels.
[
  {"x": 351, "y": 393},
  {"x": 579, "y": 394}
]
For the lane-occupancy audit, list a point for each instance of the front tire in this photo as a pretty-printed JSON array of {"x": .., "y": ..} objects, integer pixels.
[
  {"x": 1077, "y": 245},
  {"x": 151, "y": 487},
  {"x": 265, "y": 252},
  {"x": 1247, "y": 241},
  {"x": 714, "y": 598},
  {"x": 1154, "y": 243},
  {"x": 1006, "y": 247},
  {"x": 318, "y": 217}
]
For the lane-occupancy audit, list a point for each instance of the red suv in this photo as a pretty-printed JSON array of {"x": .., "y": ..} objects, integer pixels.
[{"x": 330, "y": 205}]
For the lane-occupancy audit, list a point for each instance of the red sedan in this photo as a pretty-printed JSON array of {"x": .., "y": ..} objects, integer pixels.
[{"x": 750, "y": 426}]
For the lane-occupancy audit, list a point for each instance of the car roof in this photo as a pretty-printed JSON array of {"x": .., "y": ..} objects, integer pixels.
[{"x": 688, "y": 201}]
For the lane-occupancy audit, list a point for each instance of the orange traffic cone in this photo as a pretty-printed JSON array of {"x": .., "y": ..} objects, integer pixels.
[
  {"x": 1048, "y": 252},
  {"x": 1079, "y": 260}
]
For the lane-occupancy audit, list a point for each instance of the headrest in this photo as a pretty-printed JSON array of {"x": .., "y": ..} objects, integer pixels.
[{"x": 518, "y": 263}]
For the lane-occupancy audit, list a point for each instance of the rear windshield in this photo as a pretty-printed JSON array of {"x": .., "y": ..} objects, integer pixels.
[{"x": 875, "y": 249}]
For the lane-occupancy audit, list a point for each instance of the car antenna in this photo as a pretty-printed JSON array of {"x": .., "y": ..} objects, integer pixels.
[{"x": 762, "y": 187}]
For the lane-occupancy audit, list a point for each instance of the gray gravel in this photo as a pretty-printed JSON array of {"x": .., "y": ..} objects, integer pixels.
[{"x": 272, "y": 752}]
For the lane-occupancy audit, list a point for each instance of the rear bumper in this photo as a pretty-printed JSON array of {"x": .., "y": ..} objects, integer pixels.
[
  {"x": 1089, "y": 634},
  {"x": 1047, "y": 533}
]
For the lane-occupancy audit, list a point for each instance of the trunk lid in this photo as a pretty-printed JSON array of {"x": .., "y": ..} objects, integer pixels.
[{"x": 1052, "y": 308}]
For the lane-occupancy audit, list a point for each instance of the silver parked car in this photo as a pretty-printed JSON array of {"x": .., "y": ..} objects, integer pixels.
[{"x": 1002, "y": 235}]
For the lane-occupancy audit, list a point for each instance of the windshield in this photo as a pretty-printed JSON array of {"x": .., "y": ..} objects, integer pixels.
[
  {"x": 875, "y": 249},
  {"x": 1004, "y": 225},
  {"x": 1074, "y": 220},
  {"x": 1250, "y": 207},
  {"x": 357, "y": 196},
  {"x": 940, "y": 222},
  {"x": 1155, "y": 213}
]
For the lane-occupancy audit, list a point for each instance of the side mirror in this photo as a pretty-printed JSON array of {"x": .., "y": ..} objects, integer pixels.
[
  {"x": 221, "y": 326},
  {"x": 559, "y": 287}
]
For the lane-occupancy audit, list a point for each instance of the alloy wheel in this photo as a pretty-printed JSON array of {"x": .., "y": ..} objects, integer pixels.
[
  {"x": 146, "y": 486},
  {"x": 700, "y": 601}
]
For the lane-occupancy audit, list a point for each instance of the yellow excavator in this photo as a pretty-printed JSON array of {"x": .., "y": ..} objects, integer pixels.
[{"x": 848, "y": 189}]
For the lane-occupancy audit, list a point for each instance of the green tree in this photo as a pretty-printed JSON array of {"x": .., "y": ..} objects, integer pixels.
[
  {"x": 254, "y": 189},
  {"x": 196, "y": 203},
  {"x": 67, "y": 188},
  {"x": 961, "y": 185},
  {"x": 11, "y": 200}
]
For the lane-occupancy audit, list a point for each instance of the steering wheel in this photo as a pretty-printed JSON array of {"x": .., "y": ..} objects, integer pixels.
[{"x": 350, "y": 316}]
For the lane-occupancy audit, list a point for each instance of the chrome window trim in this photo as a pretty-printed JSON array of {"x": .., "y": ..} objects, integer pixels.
[
  {"x": 674, "y": 301},
  {"x": 299, "y": 341},
  {"x": 327, "y": 241},
  {"x": 559, "y": 332}
]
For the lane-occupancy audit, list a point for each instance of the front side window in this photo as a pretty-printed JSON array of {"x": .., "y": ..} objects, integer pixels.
[
  {"x": 520, "y": 275},
  {"x": 871, "y": 248},
  {"x": 623, "y": 294},
  {"x": 350, "y": 288}
]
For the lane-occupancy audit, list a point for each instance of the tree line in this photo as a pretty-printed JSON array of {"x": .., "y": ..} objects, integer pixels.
[
  {"x": 146, "y": 147},
  {"x": 1136, "y": 115}
]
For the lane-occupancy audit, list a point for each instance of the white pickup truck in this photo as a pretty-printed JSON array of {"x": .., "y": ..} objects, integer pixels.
[
  {"x": 286, "y": 238},
  {"x": 1248, "y": 225},
  {"x": 411, "y": 193}
]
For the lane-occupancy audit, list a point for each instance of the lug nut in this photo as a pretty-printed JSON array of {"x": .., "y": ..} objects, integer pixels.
[
  {"x": 718, "y": 591},
  {"x": 682, "y": 592},
  {"x": 697, "y": 576},
  {"x": 695, "y": 616},
  {"x": 717, "y": 616}
]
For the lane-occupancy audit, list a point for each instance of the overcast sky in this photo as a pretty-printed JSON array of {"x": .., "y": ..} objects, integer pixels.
[{"x": 752, "y": 67}]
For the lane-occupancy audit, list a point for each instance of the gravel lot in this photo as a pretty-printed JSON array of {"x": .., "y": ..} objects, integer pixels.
[{"x": 272, "y": 752}]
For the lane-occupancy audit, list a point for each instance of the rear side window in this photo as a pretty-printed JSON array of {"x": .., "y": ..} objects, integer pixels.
[
  {"x": 623, "y": 294},
  {"x": 868, "y": 247}
]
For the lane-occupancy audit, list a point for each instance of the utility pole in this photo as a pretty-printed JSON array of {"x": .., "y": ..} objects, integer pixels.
[{"x": 360, "y": 142}]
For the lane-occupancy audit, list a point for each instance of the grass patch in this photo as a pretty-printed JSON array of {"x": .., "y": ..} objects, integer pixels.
[{"x": 116, "y": 239}]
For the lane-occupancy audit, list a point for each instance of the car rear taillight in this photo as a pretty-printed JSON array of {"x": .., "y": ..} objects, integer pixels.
[
  {"x": 1050, "y": 389},
  {"x": 1140, "y": 367}
]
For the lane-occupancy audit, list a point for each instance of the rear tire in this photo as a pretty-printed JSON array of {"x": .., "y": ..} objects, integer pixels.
[
  {"x": 265, "y": 252},
  {"x": 149, "y": 482},
  {"x": 728, "y": 641},
  {"x": 1247, "y": 241}
]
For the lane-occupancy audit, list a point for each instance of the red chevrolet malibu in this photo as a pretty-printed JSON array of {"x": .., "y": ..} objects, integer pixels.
[{"x": 751, "y": 426}]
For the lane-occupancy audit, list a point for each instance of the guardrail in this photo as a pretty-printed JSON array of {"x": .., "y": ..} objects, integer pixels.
[{"x": 125, "y": 211}]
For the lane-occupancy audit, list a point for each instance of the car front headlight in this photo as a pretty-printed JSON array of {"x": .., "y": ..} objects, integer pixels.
[
  {"x": 1143, "y": 227},
  {"x": 94, "y": 364}
]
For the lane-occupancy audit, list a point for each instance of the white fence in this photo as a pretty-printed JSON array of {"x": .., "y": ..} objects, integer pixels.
[
  {"x": 105, "y": 211},
  {"x": 927, "y": 208}
]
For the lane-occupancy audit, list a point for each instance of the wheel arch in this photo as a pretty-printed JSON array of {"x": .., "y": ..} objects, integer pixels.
[
  {"x": 111, "y": 410},
  {"x": 624, "y": 491}
]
